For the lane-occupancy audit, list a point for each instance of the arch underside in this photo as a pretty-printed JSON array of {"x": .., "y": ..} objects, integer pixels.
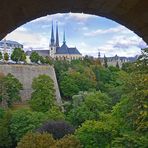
[{"x": 131, "y": 13}]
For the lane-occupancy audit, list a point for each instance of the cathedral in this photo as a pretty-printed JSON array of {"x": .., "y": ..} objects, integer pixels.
[
  {"x": 64, "y": 52},
  {"x": 56, "y": 51}
]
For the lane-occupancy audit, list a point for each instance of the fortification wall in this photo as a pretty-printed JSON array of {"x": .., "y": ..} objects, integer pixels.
[{"x": 26, "y": 73}]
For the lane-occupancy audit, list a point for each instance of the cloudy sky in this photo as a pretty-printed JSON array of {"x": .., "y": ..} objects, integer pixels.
[{"x": 88, "y": 33}]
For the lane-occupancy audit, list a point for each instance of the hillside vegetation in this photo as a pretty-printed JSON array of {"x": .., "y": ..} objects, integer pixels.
[{"x": 103, "y": 107}]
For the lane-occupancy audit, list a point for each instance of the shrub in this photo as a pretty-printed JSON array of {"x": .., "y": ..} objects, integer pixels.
[
  {"x": 23, "y": 121},
  {"x": 43, "y": 96},
  {"x": 94, "y": 134},
  {"x": 5, "y": 137},
  {"x": 68, "y": 141},
  {"x": 36, "y": 140},
  {"x": 57, "y": 128}
]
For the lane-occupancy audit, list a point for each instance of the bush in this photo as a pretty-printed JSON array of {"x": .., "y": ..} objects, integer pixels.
[
  {"x": 1, "y": 112},
  {"x": 5, "y": 137},
  {"x": 68, "y": 141},
  {"x": 36, "y": 140},
  {"x": 55, "y": 114},
  {"x": 94, "y": 134},
  {"x": 57, "y": 128},
  {"x": 89, "y": 108},
  {"x": 24, "y": 121},
  {"x": 43, "y": 96}
]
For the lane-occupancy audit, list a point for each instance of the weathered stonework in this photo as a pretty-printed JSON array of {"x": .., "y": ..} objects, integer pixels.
[
  {"x": 131, "y": 13},
  {"x": 26, "y": 73}
]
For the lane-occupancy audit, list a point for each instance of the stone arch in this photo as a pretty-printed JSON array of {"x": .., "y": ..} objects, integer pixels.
[{"x": 130, "y": 13}]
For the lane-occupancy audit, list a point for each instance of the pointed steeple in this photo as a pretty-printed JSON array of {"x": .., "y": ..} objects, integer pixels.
[
  {"x": 57, "y": 35},
  {"x": 52, "y": 35},
  {"x": 64, "y": 40}
]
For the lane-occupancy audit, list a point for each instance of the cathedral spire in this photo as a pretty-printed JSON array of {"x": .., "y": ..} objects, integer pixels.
[
  {"x": 64, "y": 40},
  {"x": 57, "y": 35},
  {"x": 52, "y": 35}
]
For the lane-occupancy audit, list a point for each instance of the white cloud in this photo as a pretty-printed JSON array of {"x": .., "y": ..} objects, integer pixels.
[
  {"x": 123, "y": 46},
  {"x": 22, "y": 29},
  {"x": 79, "y": 16},
  {"x": 64, "y": 16},
  {"x": 118, "y": 29},
  {"x": 28, "y": 39}
]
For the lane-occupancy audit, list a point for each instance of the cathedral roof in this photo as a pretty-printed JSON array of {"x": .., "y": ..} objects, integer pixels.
[{"x": 64, "y": 49}]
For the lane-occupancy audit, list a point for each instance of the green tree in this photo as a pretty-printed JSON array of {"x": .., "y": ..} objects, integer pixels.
[
  {"x": 3, "y": 92},
  {"x": 94, "y": 103},
  {"x": 54, "y": 113},
  {"x": 12, "y": 87},
  {"x": 5, "y": 136},
  {"x": 95, "y": 134},
  {"x": 34, "y": 57},
  {"x": 1, "y": 56},
  {"x": 68, "y": 87},
  {"x": 23, "y": 121},
  {"x": 68, "y": 141},
  {"x": 42, "y": 60},
  {"x": 43, "y": 96},
  {"x": 6, "y": 56},
  {"x": 18, "y": 55},
  {"x": 23, "y": 57},
  {"x": 36, "y": 140}
]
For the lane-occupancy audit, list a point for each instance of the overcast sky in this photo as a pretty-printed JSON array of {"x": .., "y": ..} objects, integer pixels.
[{"x": 88, "y": 33}]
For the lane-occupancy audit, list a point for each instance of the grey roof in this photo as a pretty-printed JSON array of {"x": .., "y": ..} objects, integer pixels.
[
  {"x": 64, "y": 49},
  {"x": 43, "y": 53},
  {"x": 10, "y": 42}
]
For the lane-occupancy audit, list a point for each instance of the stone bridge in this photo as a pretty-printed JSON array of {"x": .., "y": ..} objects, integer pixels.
[{"x": 131, "y": 13}]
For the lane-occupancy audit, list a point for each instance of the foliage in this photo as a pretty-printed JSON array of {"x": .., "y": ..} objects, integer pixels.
[
  {"x": 55, "y": 113},
  {"x": 75, "y": 76},
  {"x": 43, "y": 96},
  {"x": 134, "y": 109},
  {"x": 5, "y": 137},
  {"x": 6, "y": 56},
  {"x": 34, "y": 57},
  {"x": 24, "y": 121},
  {"x": 1, "y": 112},
  {"x": 94, "y": 103},
  {"x": 1, "y": 56},
  {"x": 105, "y": 62},
  {"x": 57, "y": 128},
  {"x": 42, "y": 60},
  {"x": 68, "y": 87},
  {"x": 68, "y": 141},
  {"x": 72, "y": 82},
  {"x": 3, "y": 93},
  {"x": 36, "y": 140},
  {"x": 94, "y": 134},
  {"x": 45, "y": 140},
  {"x": 133, "y": 140},
  {"x": 10, "y": 88},
  {"x": 18, "y": 55}
]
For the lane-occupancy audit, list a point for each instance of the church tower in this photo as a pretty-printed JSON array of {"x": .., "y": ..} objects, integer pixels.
[
  {"x": 57, "y": 35},
  {"x": 52, "y": 46}
]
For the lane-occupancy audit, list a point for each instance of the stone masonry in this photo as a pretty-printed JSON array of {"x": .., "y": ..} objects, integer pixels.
[
  {"x": 26, "y": 73},
  {"x": 131, "y": 13}
]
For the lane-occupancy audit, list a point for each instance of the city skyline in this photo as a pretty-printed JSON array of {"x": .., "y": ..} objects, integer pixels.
[{"x": 89, "y": 33}]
